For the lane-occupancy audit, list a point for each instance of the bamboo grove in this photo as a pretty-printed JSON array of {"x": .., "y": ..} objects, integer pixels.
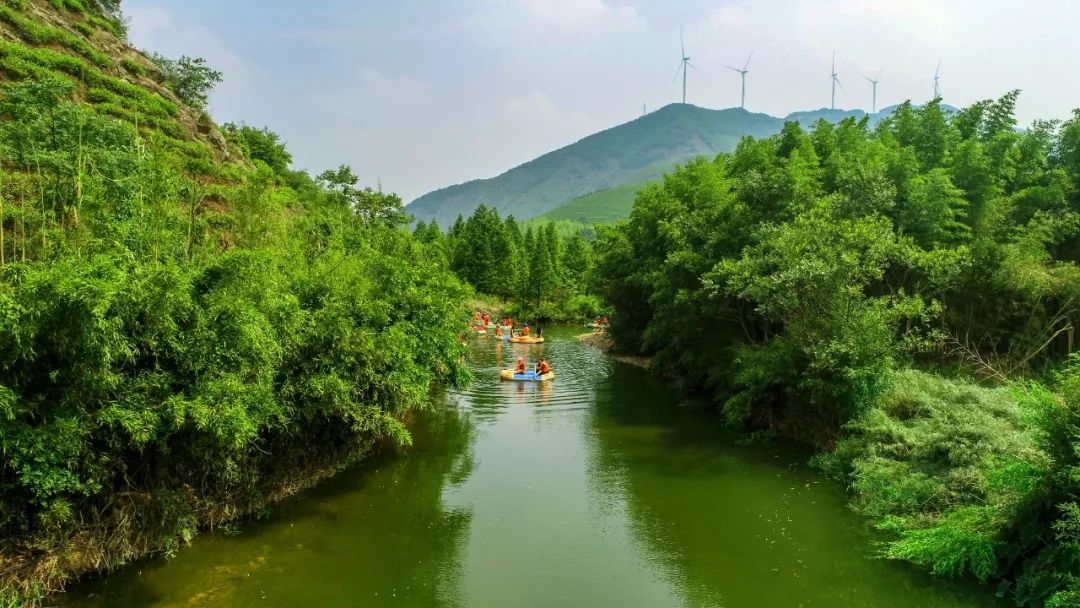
[
  {"x": 903, "y": 295},
  {"x": 174, "y": 349}
]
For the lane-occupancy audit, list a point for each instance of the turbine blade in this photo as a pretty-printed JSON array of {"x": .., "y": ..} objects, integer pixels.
[
  {"x": 878, "y": 74},
  {"x": 747, "y": 64},
  {"x": 840, "y": 84},
  {"x": 734, "y": 69},
  {"x": 690, "y": 64},
  {"x": 677, "y": 70}
]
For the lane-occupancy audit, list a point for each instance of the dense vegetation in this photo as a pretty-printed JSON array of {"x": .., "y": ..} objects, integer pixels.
[
  {"x": 798, "y": 279},
  {"x": 541, "y": 270},
  {"x": 174, "y": 350}
]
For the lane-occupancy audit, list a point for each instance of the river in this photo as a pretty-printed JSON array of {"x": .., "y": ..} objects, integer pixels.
[{"x": 595, "y": 489}]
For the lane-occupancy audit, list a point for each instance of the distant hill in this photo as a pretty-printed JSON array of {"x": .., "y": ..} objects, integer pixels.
[
  {"x": 603, "y": 169},
  {"x": 636, "y": 151}
]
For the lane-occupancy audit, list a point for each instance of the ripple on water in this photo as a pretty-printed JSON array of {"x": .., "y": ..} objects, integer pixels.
[{"x": 578, "y": 371}]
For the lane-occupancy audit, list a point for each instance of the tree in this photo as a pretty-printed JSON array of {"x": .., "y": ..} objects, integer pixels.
[
  {"x": 260, "y": 144},
  {"x": 371, "y": 206},
  {"x": 935, "y": 211},
  {"x": 189, "y": 77}
]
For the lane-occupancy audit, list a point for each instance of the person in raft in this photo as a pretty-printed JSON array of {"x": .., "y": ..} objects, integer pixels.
[
  {"x": 498, "y": 331},
  {"x": 520, "y": 367},
  {"x": 487, "y": 319},
  {"x": 476, "y": 318},
  {"x": 542, "y": 367},
  {"x": 525, "y": 329}
]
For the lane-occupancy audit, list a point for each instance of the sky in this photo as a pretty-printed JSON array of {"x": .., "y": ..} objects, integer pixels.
[{"x": 422, "y": 94}]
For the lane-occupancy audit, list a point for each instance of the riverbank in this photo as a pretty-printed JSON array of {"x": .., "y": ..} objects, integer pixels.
[
  {"x": 602, "y": 341},
  {"x": 146, "y": 522}
]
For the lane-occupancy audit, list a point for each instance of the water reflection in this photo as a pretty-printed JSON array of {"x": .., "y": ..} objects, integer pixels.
[
  {"x": 378, "y": 534},
  {"x": 739, "y": 526}
]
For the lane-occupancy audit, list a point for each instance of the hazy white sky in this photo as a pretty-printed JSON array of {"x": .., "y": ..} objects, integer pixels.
[{"x": 426, "y": 93}]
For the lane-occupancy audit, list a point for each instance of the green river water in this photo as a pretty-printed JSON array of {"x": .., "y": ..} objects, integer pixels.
[{"x": 594, "y": 489}]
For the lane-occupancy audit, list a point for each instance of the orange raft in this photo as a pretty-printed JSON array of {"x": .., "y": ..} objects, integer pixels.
[{"x": 526, "y": 339}]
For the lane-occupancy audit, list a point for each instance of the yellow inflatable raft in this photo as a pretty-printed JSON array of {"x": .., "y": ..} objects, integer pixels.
[
  {"x": 508, "y": 374},
  {"x": 527, "y": 339}
]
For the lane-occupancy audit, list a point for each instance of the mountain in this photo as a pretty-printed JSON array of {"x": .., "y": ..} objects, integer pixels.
[
  {"x": 594, "y": 180},
  {"x": 637, "y": 151}
]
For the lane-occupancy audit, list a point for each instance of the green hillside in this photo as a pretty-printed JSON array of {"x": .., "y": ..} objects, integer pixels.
[
  {"x": 604, "y": 207},
  {"x": 83, "y": 44},
  {"x": 637, "y": 151}
]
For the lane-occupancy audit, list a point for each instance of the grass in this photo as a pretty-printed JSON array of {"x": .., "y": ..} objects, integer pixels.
[
  {"x": 133, "y": 67},
  {"x": 38, "y": 33},
  {"x": 76, "y": 6},
  {"x": 945, "y": 466},
  {"x": 603, "y": 207},
  {"x": 116, "y": 28},
  {"x": 113, "y": 97},
  {"x": 145, "y": 102}
]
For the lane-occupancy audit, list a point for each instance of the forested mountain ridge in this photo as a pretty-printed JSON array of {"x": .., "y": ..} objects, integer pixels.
[
  {"x": 189, "y": 328},
  {"x": 634, "y": 152}
]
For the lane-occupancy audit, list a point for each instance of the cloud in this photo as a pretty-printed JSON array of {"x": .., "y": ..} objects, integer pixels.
[{"x": 574, "y": 14}]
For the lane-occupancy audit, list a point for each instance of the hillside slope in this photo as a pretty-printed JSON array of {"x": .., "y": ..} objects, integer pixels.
[
  {"x": 81, "y": 42},
  {"x": 602, "y": 207},
  {"x": 636, "y": 151}
]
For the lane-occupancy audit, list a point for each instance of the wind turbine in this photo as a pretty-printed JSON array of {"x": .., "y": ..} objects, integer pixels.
[
  {"x": 873, "y": 81},
  {"x": 743, "y": 72},
  {"x": 937, "y": 77},
  {"x": 835, "y": 81},
  {"x": 683, "y": 64}
]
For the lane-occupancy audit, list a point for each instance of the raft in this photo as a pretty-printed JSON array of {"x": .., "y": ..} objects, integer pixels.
[
  {"x": 527, "y": 339},
  {"x": 508, "y": 374}
]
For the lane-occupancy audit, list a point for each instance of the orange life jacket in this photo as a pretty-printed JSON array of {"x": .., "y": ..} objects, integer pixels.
[
  {"x": 525, "y": 331},
  {"x": 544, "y": 368},
  {"x": 519, "y": 368}
]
